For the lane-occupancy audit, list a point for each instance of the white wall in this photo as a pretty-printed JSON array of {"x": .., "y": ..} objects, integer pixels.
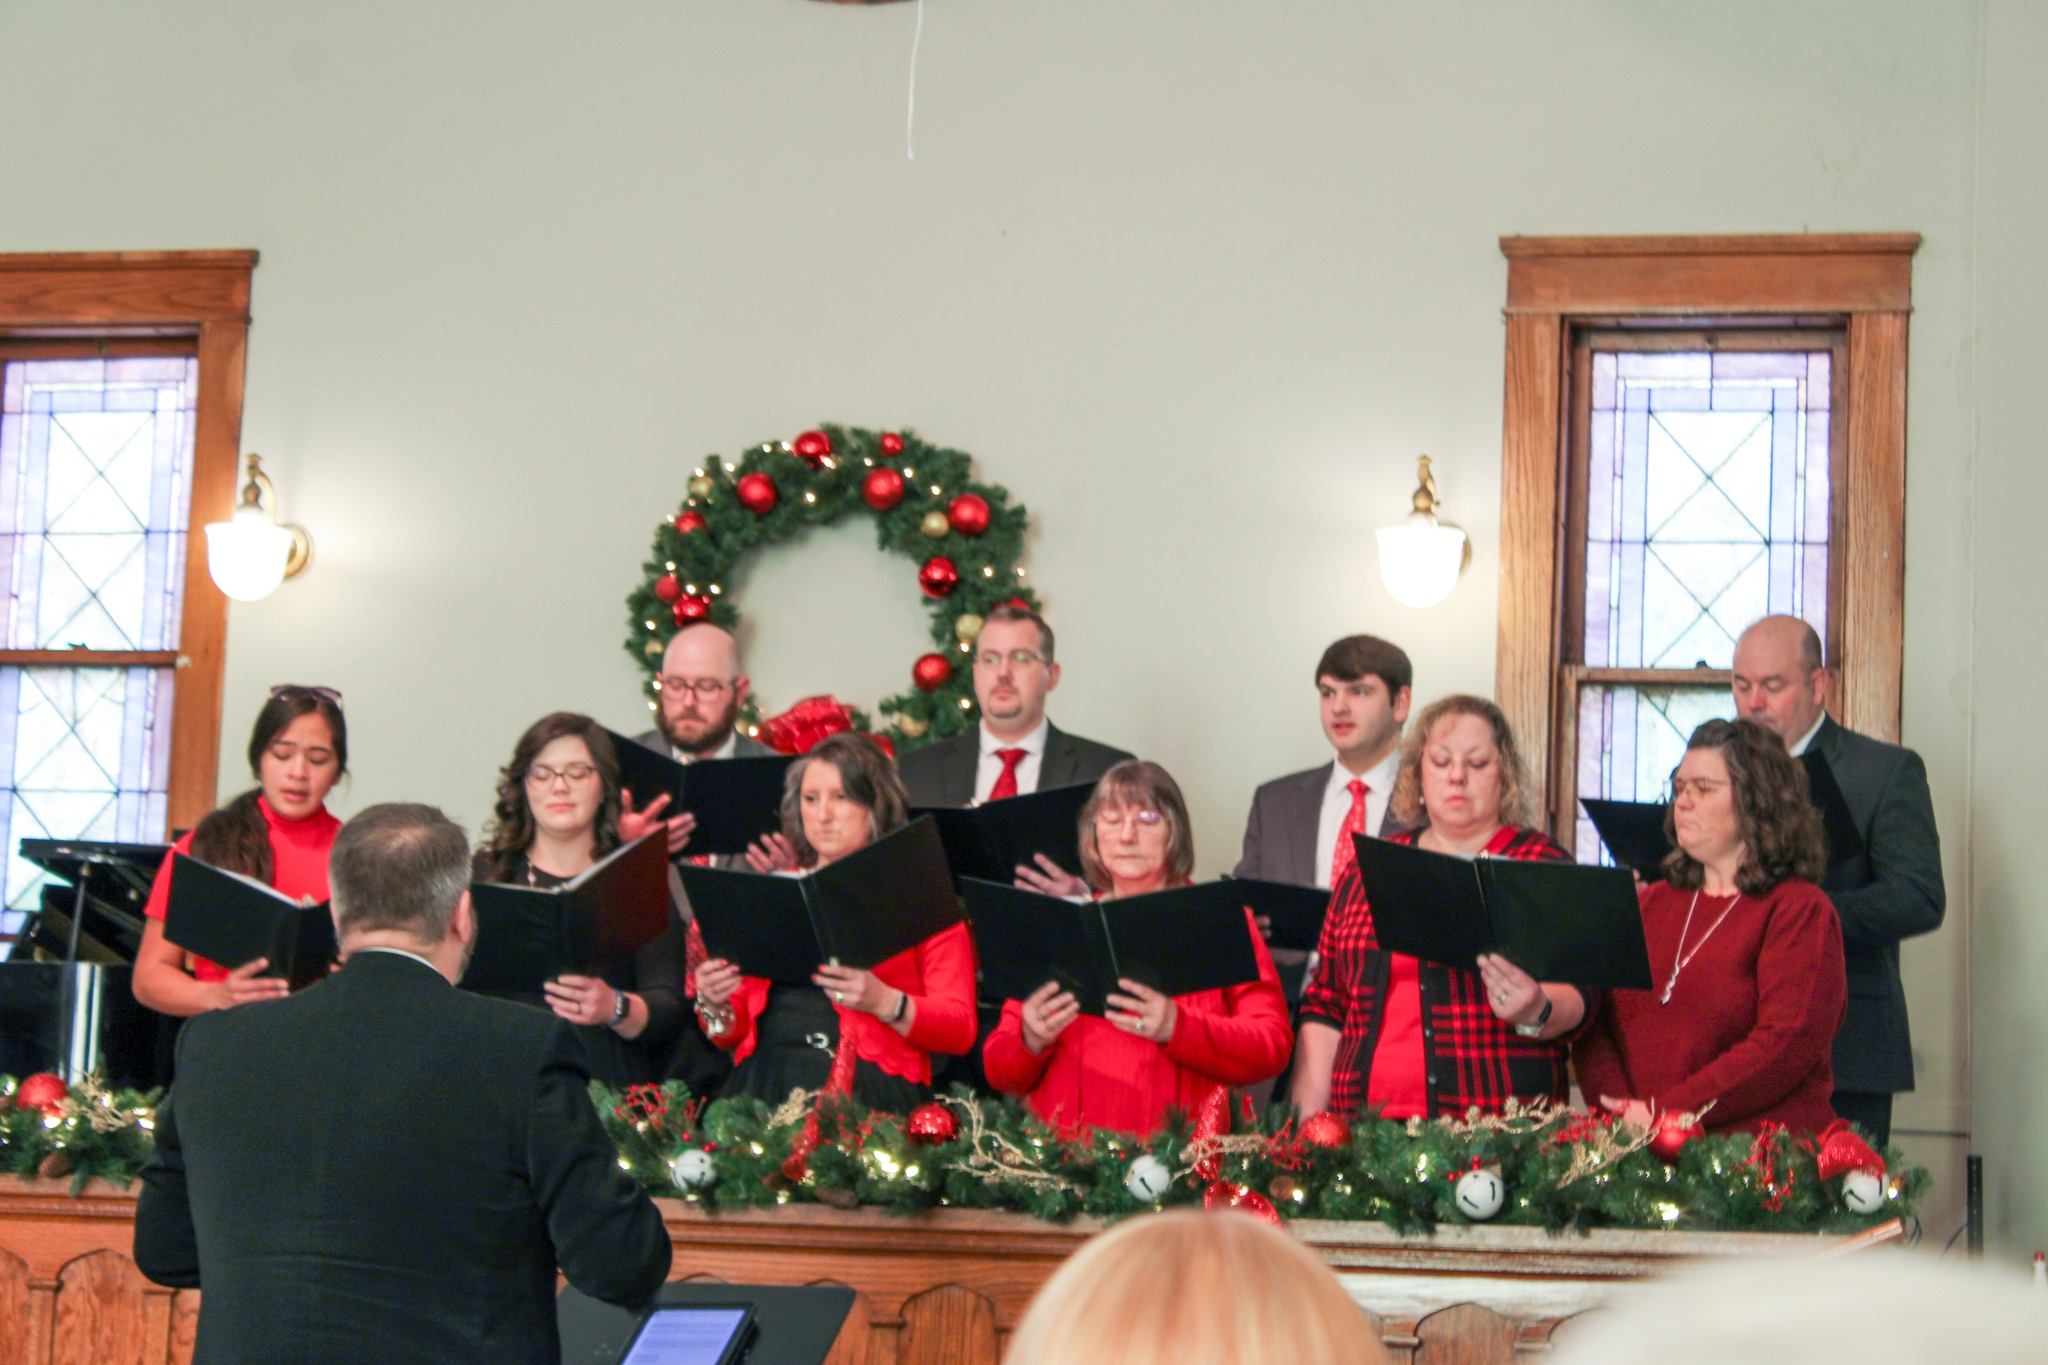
[{"x": 1196, "y": 280}]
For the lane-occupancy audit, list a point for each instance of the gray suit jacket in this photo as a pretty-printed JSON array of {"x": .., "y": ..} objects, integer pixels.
[
  {"x": 1280, "y": 833},
  {"x": 1889, "y": 891},
  {"x": 942, "y": 773},
  {"x": 743, "y": 747}
]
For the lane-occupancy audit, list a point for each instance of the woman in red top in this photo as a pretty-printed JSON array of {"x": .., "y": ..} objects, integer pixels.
[
  {"x": 867, "y": 1033},
  {"x": 278, "y": 832},
  {"x": 1747, "y": 952},
  {"x": 1150, "y": 1052},
  {"x": 1412, "y": 1039}
]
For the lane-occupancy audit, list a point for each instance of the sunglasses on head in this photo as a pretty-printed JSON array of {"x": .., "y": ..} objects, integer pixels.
[{"x": 301, "y": 689}]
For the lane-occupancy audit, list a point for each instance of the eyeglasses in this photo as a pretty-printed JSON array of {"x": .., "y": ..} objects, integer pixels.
[
  {"x": 540, "y": 775},
  {"x": 293, "y": 689},
  {"x": 1119, "y": 816},
  {"x": 707, "y": 688},
  {"x": 1019, "y": 658},
  {"x": 1701, "y": 787}
]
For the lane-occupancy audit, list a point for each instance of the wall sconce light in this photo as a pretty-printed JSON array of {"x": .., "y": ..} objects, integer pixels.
[
  {"x": 1420, "y": 559},
  {"x": 253, "y": 552}
]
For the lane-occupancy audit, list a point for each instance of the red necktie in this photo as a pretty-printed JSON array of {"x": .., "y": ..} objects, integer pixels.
[
  {"x": 1006, "y": 780},
  {"x": 1345, "y": 854}
]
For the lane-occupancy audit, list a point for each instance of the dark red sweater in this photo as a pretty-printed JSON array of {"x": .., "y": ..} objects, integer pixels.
[{"x": 1752, "y": 1019}]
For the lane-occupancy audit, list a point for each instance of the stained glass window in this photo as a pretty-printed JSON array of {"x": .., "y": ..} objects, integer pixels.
[
  {"x": 1630, "y": 740},
  {"x": 95, "y": 493}
]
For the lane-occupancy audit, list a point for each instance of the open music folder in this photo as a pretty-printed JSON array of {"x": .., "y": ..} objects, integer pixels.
[
  {"x": 991, "y": 841},
  {"x": 1633, "y": 832},
  {"x": 735, "y": 800},
  {"x": 1556, "y": 921},
  {"x": 232, "y": 920},
  {"x": 587, "y": 926},
  {"x": 1178, "y": 942},
  {"x": 1294, "y": 913},
  {"x": 860, "y": 911}
]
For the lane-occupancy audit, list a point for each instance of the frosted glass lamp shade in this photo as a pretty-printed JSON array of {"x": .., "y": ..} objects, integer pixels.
[
  {"x": 1420, "y": 560},
  {"x": 247, "y": 555}
]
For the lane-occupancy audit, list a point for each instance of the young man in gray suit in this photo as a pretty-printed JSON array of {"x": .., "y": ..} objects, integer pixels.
[
  {"x": 1889, "y": 891},
  {"x": 701, "y": 692}
]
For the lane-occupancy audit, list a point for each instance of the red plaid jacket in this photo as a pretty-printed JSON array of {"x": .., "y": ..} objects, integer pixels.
[{"x": 1470, "y": 1057}]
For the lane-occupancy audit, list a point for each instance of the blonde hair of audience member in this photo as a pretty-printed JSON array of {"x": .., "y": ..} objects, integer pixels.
[{"x": 1188, "y": 1286}]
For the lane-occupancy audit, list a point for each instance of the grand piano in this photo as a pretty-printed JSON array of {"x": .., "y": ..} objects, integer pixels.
[{"x": 66, "y": 1000}]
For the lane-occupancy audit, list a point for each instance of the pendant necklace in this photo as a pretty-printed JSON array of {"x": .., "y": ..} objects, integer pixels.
[{"x": 1679, "y": 957}]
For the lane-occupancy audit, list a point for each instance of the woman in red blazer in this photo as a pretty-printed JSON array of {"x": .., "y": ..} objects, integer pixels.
[
  {"x": 1150, "y": 1052},
  {"x": 868, "y": 1034}
]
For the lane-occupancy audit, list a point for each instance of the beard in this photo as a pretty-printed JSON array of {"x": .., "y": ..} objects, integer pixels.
[{"x": 698, "y": 732}]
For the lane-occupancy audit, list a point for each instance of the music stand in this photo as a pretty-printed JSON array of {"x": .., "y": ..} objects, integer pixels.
[{"x": 795, "y": 1324}]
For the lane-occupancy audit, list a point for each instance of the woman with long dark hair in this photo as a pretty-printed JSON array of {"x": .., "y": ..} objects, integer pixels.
[
  {"x": 558, "y": 811},
  {"x": 279, "y": 831}
]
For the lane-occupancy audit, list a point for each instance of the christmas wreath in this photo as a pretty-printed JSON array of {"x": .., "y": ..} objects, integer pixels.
[{"x": 964, "y": 537}]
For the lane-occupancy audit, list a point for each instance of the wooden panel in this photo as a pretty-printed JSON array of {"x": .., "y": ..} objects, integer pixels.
[
  {"x": 1468, "y": 1334},
  {"x": 857, "y": 1342},
  {"x": 124, "y": 289},
  {"x": 184, "y": 1325},
  {"x": 1874, "y": 557},
  {"x": 89, "y": 658},
  {"x": 1822, "y": 273},
  {"x": 100, "y": 1315},
  {"x": 14, "y": 1310},
  {"x": 1530, "y": 521},
  {"x": 949, "y": 1325}
]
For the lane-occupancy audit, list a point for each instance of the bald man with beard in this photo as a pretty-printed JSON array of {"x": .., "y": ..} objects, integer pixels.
[{"x": 1889, "y": 890}]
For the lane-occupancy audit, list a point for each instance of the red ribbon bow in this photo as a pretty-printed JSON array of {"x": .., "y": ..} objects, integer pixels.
[
  {"x": 1839, "y": 1150},
  {"x": 811, "y": 721}
]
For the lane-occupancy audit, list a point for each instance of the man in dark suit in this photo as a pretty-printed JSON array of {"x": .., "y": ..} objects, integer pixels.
[
  {"x": 1015, "y": 750},
  {"x": 382, "y": 1167},
  {"x": 1890, "y": 889},
  {"x": 701, "y": 690}
]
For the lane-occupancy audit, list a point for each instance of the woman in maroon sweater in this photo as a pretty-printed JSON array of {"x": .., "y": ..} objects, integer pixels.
[{"x": 1745, "y": 949}]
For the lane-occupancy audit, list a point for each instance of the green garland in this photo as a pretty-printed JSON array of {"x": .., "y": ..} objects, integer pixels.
[
  {"x": 689, "y": 571},
  {"x": 1561, "y": 1170}
]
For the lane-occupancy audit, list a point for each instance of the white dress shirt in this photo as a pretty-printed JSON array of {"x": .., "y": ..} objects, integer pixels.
[
  {"x": 725, "y": 750},
  {"x": 991, "y": 767},
  {"x": 1799, "y": 750},
  {"x": 1379, "y": 783}
]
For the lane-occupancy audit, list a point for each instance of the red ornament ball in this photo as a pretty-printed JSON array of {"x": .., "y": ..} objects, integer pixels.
[
  {"x": 892, "y": 445},
  {"x": 1670, "y": 1139},
  {"x": 1325, "y": 1130},
  {"x": 41, "y": 1091},
  {"x": 938, "y": 577},
  {"x": 968, "y": 514},
  {"x": 687, "y": 521},
  {"x": 756, "y": 493},
  {"x": 691, "y": 609},
  {"x": 1019, "y": 603},
  {"x": 931, "y": 1123},
  {"x": 812, "y": 447},
  {"x": 667, "y": 589},
  {"x": 882, "y": 489},
  {"x": 931, "y": 671}
]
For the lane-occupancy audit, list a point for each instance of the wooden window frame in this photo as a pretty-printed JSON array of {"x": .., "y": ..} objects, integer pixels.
[
  {"x": 93, "y": 297},
  {"x": 1558, "y": 284}
]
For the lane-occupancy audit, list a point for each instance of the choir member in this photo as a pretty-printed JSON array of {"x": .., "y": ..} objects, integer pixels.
[
  {"x": 1745, "y": 948},
  {"x": 870, "y": 1034},
  {"x": 558, "y": 812},
  {"x": 279, "y": 831},
  {"x": 1412, "y": 1039},
  {"x": 1150, "y": 1052}
]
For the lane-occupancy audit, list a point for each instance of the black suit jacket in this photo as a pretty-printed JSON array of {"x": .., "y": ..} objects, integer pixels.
[
  {"x": 1889, "y": 891},
  {"x": 1280, "y": 832},
  {"x": 384, "y": 1168},
  {"x": 942, "y": 773}
]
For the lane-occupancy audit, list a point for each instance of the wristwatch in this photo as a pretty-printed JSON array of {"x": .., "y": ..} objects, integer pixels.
[
  {"x": 619, "y": 1007},
  {"x": 1534, "y": 1029}
]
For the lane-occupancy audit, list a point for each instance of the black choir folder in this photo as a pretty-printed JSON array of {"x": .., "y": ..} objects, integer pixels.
[
  {"x": 527, "y": 935},
  {"x": 1633, "y": 832},
  {"x": 860, "y": 911},
  {"x": 1556, "y": 921},
  {"x": 1188, "y": 939},
  {"x": 231, "y": 919},
  {"x": 1294, "y": 913},
  {"x": 735, "y": 800},
  {"x": 991, "y": 841}
]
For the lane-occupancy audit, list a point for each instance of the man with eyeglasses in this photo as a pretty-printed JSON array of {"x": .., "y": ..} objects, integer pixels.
[
  {"x": 701, "y": 691},
  {"x": 1889, "y": 890},
  {"x": 1015, "y": 750}
]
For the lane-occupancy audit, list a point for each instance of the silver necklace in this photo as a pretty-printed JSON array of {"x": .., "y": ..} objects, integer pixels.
[{"x": 1679, "y": 957}]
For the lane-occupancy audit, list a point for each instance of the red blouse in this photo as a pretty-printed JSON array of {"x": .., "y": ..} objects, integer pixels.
[
  {"x": 1751, "y": 1020},
  {"x": 1097, "y": 1076},
  {"x": 298, "y": 863},
  {"x": 938, "y": 976}
]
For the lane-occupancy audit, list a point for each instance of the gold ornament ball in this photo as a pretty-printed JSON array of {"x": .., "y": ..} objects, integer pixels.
[
  {"x": 968, "y": 628},
  {"x": 653, "y": 649},
  {"x": 701, "y": 486},
  {"x": 913, "y": 727},
  {"x": 935, "y": 524}
]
